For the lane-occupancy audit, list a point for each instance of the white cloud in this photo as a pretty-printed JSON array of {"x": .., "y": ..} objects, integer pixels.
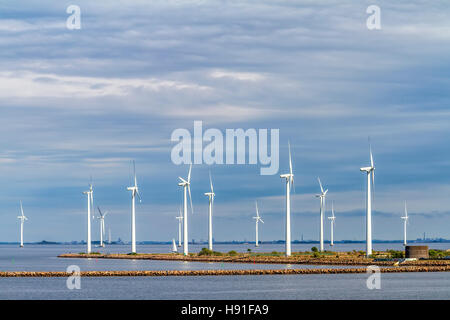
[
  {"x": 33, "y": 85},
  {"x": 242, "y": 76}
]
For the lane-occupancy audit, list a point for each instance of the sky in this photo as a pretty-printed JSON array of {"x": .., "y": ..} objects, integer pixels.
[{"x": 86, "y": 102}]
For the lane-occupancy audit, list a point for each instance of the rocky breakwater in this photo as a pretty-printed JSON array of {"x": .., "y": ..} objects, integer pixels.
[{"x": 159, "y": 273}]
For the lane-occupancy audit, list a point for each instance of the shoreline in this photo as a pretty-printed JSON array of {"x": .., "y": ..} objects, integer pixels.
[{"x": 160, "y": 273}]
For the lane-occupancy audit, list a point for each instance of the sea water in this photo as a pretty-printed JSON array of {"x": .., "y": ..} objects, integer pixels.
[{"x": 324, "y": 286}]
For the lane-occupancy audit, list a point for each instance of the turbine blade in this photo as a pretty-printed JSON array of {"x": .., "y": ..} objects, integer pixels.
[
  {"x": 257, "y": 211},
  {"x": 21, "y": 208},
  {"x": 210, "y": 181},
  {"x": 139, "y": 195},
  {"x": 189, "y": 174},
  {"x": 320, "y": 183},
  {"x": 371, "y": 155},
  {"x": 406, "y": 211},
  {"x": 135, "y": 177},
  {"x": 290, "y": 158},
  {"x": 182, "y": 180},
  {"x": 190, "y": 198},
  {"x": 261, "y": 220},
  {"x": 373, "y": 184}
]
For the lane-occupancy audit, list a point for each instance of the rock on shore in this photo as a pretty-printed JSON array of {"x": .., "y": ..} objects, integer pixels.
[{"x": 158, "y": 273}]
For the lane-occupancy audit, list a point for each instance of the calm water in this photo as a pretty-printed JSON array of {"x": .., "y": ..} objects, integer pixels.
[{"x": 341, "y": 286}]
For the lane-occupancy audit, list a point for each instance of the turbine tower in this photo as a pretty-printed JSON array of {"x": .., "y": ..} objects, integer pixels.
[
  {"x": 186, "y": 188},
  {"x": 405, "y": 220},
  {"x": 257, "y": 220},
  {"x": 370, "y": 172},
  {"x": 90, "y": 203},
  {"x": 332, "y": 218},
  {"x": 180, "y": 222},
  {"x": 22, "y": 219},
  {"x": 289, "y": 183},
  {"x": 134, "y": 191},
  {"x": 102, "y": 225},
  {"x": 322, "y": 196},
  {"x": 211, "y": 196}
]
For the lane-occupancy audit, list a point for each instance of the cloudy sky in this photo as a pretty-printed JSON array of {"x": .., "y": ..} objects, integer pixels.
[{"x": 81, "y": 103}]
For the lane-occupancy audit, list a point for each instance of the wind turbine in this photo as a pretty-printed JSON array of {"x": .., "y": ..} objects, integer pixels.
[
  {"x": 405, "y": 220},
  {"x": 370, "y": 172},
  {"x": 134, "y": 191},
  {"x": 102, "y": 225},
  {"x": 322, "y": 196},
  {"x": 22, "y": 219},
  {"x": 211, "y": 196},
  {"x": 180, "y": 222},
  {"x": 257, "y": 219},
  {"x": 289, "y": 182},
  {"x": 109, "y": 235},
  {"x": 90, "y": 203},
  {"x": 186, "y": 188},
  {"x": 332, "y": 218}
]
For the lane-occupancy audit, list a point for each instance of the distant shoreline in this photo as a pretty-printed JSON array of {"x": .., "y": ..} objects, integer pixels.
[{"x": 272, "y": 242}]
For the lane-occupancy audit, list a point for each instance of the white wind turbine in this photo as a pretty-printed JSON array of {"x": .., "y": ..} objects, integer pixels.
[
  {"x": 322, "y": 196},
  {"x": 370, "y": 172},
  {"x": 180, "y": 223},
  {"x": 257, "y": 220},
  {"x": 289, "y": 183},
  {"x": 405, "y": 221},
  {"x": 22, "y": 219},
  {"x": 134, "y": 191},
  {"x": 186, "y": 188},
  {"x": 90, "y": 203},
  {"x": 102, "y": 225},
  {"x": 332, "y": 219},
  {"x": 211, "y": 196}
]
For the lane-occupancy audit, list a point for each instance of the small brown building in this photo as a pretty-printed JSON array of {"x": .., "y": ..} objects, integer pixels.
[{"x": 416, "y": 252}]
